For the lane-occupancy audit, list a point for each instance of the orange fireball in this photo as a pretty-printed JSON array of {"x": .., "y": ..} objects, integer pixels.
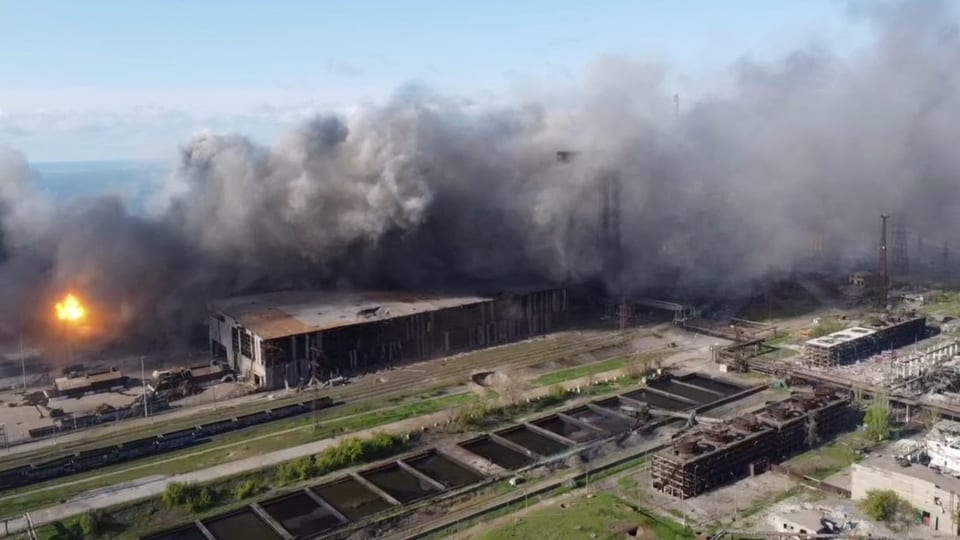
[{"x": 70, "y": 309}]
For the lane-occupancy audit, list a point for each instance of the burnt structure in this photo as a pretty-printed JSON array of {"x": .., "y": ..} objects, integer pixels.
[
  {"x": 856, "y": 343},
  {"x": 716, "y": 455},
  {"x": 288, "y": 338},
  {"x": 800, "y": 423}
]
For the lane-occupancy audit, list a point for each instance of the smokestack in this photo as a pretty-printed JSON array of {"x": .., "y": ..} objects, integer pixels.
[{"x": 882, "y": 300}]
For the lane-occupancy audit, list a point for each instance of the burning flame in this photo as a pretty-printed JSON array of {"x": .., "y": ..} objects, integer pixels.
[{"x": 70, "y": 309}]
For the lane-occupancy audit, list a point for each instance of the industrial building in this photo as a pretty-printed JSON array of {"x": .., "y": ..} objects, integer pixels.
[
  {"x": 287, "y": 338},
  {"x": 935, "y": 496},
  {"x": 848, "y": 346},
  {"x": 714, "y": 456},
  {"x": 942, "y": 446},
  {"x": 75, "y": 385}
]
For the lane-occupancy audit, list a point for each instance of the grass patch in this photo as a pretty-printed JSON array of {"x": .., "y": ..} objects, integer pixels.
[
  {"x": 827, "y": 325},
  {"x": 627, "y": 483},
  {"x": 581, "y": 371},
  {"x": 625, "y": 466},
  {"x": 228, "y": 448},
  {"x": 485, "y": 414},
  {"x": 186, "y": 502},
  {"x": 782, "y": 339},
  {"x": 603, "y": 516},
  {"x": 828, "y": 459},
  {"x": 942, "y": 304}
]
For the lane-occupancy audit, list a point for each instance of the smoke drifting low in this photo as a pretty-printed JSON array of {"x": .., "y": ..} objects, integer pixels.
[{"x": 423, "y": 192}]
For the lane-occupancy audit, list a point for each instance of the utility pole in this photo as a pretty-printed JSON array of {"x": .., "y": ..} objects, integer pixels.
[
  {"x": 143, "y": 382},
  {"x": 316, "y": 417},
  {"x": 884, "y": 276},
  {"x": 23, "y": 365}
]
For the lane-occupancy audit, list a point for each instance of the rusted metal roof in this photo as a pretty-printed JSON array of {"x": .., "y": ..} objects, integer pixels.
[
  {"x": 68, "y": 384},
  {"x": 288, "y": 313}
]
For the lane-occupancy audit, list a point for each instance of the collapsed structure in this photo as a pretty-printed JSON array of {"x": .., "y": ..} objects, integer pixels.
[
  {"x": 942, "y": 446},
  {"x": 287, "y": 338},
  {"x": 717, "y": 455},
  {"x": 852, "y": 344}
]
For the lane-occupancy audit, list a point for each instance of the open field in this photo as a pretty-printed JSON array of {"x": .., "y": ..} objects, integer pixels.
[
  {"x": 942, "y": 304},
  {"x": 581, "y": 371},
  {"x": 830, "y": 458},
  {"x": 601, "y": 516}
]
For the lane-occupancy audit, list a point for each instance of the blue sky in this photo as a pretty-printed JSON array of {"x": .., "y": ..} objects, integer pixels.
[{"x": 130, "y": 79}]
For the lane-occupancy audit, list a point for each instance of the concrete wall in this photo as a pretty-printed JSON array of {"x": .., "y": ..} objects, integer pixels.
[
  {"x": 222, "y": 329},
  {"x": 922, "y": 494}
]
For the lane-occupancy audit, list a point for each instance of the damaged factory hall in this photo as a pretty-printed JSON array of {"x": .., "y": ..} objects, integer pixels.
[
  {"x": 714, "y": 455},
  {"x": 288, "y": 338}
]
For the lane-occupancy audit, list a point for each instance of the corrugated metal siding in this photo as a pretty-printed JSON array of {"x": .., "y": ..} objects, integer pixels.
[{"x": 415, "y": 337}]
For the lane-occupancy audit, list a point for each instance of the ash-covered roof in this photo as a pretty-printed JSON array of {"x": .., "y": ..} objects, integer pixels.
[
  {"x": 288, "y": 313},
  {"x": 843, "y": 336}
]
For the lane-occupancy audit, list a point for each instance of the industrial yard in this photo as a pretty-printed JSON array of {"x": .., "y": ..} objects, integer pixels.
[{"x": 402, "y": 416}]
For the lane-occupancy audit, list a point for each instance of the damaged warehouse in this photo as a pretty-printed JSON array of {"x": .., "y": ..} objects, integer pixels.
[
  {"x": 287, "y": 338},
  {"x": 711, "y": 457},
  {"x": 848, "y": 346}
]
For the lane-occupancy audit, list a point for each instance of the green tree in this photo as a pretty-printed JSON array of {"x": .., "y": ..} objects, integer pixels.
[
  {"x": 877, "y": 418},
  {"x": 884, "y": 505},
  {"x": 204, "y": 499},
  {"x": 177, "y": 494},
  {"x": 246, "y": 489},
  {"x": 92, "y": 523},
  {"x": 66, "y": 532}
]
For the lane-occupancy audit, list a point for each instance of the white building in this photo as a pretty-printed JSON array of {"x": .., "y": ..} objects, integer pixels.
[
  {"x": 943, "y": 447},
  {"x": 935, "y": 496},
  {"x": 803, "y": 522}
]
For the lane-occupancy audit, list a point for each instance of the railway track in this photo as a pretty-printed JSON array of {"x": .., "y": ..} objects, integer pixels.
[{"x": 396, "y": 383}]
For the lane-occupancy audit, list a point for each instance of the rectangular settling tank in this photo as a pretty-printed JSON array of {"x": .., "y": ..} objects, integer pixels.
[
  {"x": 699, "y": 395},
  {"x": 609, "y": 423},
  {"x": 532, "y": 441},
  {"x": 485, "y": 447},
  {"x": 659, "y": 401},
  {"x": 190, "y": 532},
  {"x": 617, "y": 405},
  {"x": 398, "y": 483},
  {"x": 351, "y": 499},
  {"x": 240, "y": 525},
  {"x": 300, "y": 515},
  {"x": 443, "y": 469},
  {"x": 727, "y": 389},
  {"x": 567, "y": 429}
]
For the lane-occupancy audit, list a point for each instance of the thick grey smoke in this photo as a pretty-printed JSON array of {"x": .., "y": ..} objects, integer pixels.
[{"x": 423, "y": 192}]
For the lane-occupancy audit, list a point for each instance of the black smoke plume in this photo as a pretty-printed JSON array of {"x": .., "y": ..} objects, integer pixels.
[{"x": 423, "y": 192}]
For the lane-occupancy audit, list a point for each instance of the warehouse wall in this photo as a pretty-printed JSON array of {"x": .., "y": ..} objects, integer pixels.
[{"x": 361, "y": 347}]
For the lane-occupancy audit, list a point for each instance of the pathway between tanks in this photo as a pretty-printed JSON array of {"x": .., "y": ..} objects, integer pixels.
[
  {"x": 155, "y": 485},
  {"x": 152, "y": 486}
]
